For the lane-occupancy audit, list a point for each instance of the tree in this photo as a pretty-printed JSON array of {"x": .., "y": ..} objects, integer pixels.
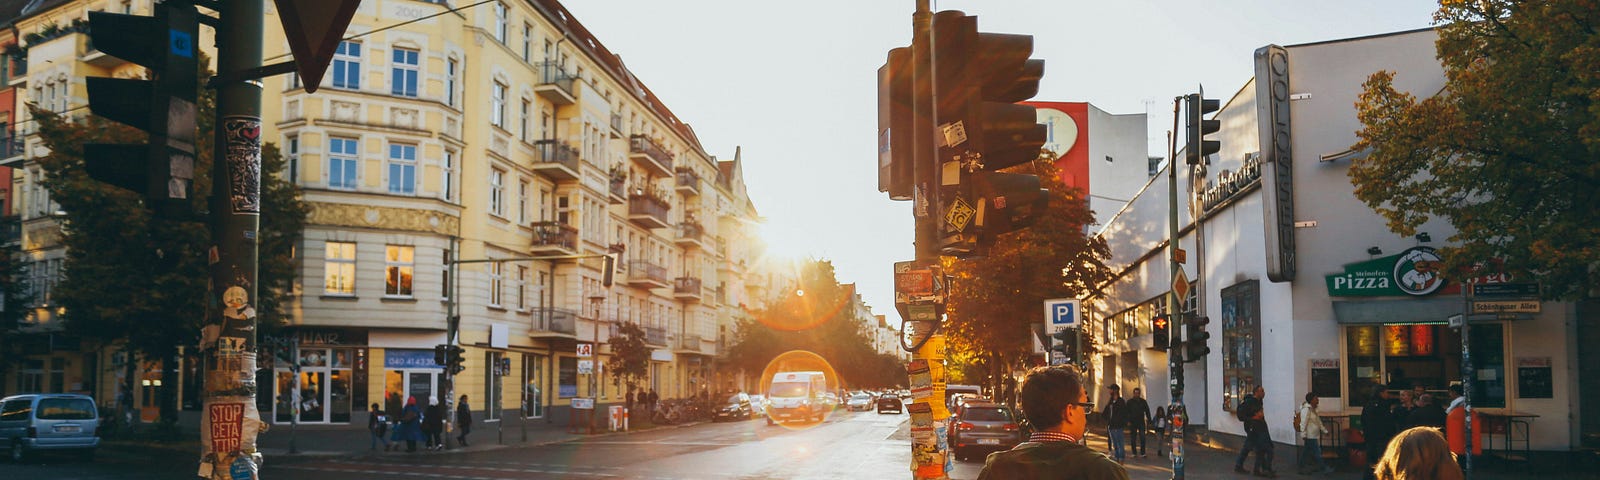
[
  {"x": 995, "y": 300},
  {"x": 630, "y": 356},
  {"x": 14, "y": 301},
  {"x": 143, "y": 282},
  {"x": 1507, "y": 153},
  {"x": 816, "y": 315}
]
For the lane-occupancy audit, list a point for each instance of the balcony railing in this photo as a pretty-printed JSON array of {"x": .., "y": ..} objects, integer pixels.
[
  {"x": 11, "y": 146},
  {"x": 556, "y": 84},
  {"x": 650, "y": 155},
  {"x": 619, "y": 190},
  {"x": 645, "y": 274},
  {"x": 648, "y": 211},
  {"x": 10, "y": 230},
  {"x": 691, "y": 234},
  {"x": 655, "y": 336},
  {"x": 553, "y": 320},
  {"x": 688, "y": 182},
  {"x": 689, "y": 342},
  {"x": 557, "y": 158},
  {"x": 557, "y": 236},
  {"x": 686, "y": 288}
]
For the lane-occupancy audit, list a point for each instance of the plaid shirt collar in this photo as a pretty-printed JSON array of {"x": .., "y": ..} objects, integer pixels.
[{"x": 1051, "y": 437}]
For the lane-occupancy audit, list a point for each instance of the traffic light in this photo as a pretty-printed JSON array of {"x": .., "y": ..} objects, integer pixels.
[
  {"x": 1065, "y": 346},
  {"x": 1197, "y": 147},
  {"x": 1159, "y": 332},
  {"x": 441, "y": 354},
  {"x": 977, "y": 80},
  {"x": 457, "y": 361},
  {"x": 894, "y": 125},
  {"x": 1194, "y": 334},
  {"x": 608, "y": 270},
  {"x": 164, "y": 106}
]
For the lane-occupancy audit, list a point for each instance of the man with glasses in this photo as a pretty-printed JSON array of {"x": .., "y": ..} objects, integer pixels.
[{"x": 1055, "y": 404}]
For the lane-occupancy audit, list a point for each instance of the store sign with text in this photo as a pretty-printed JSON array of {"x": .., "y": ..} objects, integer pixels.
[{"x": 1414, "y": 272}]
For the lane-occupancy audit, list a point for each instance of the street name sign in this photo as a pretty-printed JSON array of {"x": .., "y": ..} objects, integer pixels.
[
  {"x": 1505, "y": 306},
  {"x": 1506, "y": 290}
]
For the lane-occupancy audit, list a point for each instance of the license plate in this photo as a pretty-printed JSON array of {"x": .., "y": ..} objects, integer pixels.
[
  {"x": 988, "y": 441},
  {"x": 68, "y": 429}
]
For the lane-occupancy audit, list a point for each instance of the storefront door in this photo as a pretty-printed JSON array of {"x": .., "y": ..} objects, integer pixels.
[{"x": 401, "y": 384}]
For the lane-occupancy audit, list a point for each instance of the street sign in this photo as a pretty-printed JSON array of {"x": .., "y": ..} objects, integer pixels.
[
  {"x": 585, "y": 350},
  {"x": 1180, "y": 255},
  {"x": 958, "y": 216},
  {"x": 583, "y": 404},
  {"x": 1506, "y": 306},
  {"x": 585, "y": 367},
  {"x": 314, "y": 29},
  {"x": 1061, "y": 314},
  {"x": 1456, "y": 320},
  {"x": 1505, "y": 290},
  {"x": 1180, "y": 286},
  {"x": 923, "y": 313}
]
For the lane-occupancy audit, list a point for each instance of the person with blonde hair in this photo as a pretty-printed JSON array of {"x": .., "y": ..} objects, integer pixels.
[{"x": 1420, "y": 453}]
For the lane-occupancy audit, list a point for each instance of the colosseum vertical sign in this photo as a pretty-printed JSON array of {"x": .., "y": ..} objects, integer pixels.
[{"x": 1277, "y": 160}]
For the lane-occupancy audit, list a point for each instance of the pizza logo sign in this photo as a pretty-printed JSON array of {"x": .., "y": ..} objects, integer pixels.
[{"x": 1416, "y": 272}]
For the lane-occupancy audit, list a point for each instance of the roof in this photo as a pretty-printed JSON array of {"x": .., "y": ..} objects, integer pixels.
[
  {"x": 11, "y": 10},
  {"x": 27, "y": 8}
]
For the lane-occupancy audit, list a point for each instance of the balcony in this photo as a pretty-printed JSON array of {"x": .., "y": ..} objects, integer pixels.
[
  {"x": 11, "y": 150},
  {"x": 556, "y": 85},
  {"x": 619, "y": 189},
  {"x": 554, "y": 322},
  {"x": 691, "y": 235},
  {"x": 648, "y": 210},
  {"x": 655, "y": 336},
  {"x": 558, "y": 160},
  {"x": 689, "y": 344},
  {"x": 650, "y": 155},
  {"x": 647, "y": 275},
  {"x": 616, "y": 125},
  {"x": 686, "y": 289},
  {"x": 688, "y": 183},
  {"x": 554, "y": 238}
]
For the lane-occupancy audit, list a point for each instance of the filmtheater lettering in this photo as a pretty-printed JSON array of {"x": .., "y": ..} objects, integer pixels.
[{"x": 1230, "y": 183}]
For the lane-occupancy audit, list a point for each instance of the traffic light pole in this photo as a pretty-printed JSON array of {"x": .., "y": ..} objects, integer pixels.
[
  {"x": 230, "y": 420},
  {"x": 1178, "y": 416}
]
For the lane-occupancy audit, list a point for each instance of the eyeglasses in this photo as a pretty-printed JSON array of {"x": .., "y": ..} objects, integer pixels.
[{"x": 1084, "y": 405}]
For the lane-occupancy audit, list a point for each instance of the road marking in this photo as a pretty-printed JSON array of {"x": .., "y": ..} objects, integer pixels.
[{"x": 680, "y": 444}]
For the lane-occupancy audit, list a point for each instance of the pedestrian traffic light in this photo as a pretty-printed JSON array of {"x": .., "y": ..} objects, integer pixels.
[
  {"x": 1195, "y": 336},
  {"x": 894, "y": 125},
  {"x": 1197, "y": 146},
  {"x": 1159, "y": 332},
  {"x": 457, "y": 361},
  {"x": 1065, "y": 346},
  {"x": 441, "y": 354},
  {"x": 164, "y": 106},
  {"x": 977, "y": 80}
]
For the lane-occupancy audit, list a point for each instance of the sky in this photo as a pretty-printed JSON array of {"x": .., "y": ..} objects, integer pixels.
[{"x": 795, "y": 85}]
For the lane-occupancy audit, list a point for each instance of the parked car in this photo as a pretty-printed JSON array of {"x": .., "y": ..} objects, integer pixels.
[
  {"x": 859, "y": 401},
  {"x": 49, "y": 422},
  {"x": 736, "y": 407},
  {"x": 758, "y": 404},
  {"x": 889, "y": 401},
  {"x": 830, "y": 400},
  {"x": 982, "y": 426}
]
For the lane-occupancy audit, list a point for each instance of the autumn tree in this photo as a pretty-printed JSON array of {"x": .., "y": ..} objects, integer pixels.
[
  {"x": 630, "y": 356},
  {"x": 816, "y": 315},
  {"x": 996, "y": 300},
  {"x": 1508, "y": 152}
]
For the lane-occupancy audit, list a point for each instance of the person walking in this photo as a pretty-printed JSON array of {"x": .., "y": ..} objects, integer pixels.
[
  {"x": 1427, "y": 414},
  {"x": 1256, "y": 437},
  {"x": 1138, "y": 422},
  {"x": 1377, "y": 426},
  {"x": 433, "y": 424},
  {"x": 1418, "y": 453},
  {"x": 378, "y": 426},
  {"x": 1311, "y": 432},
  {"x": 1116, "y": 413},
  {"x": 463, "y": 420},
  {"x": 1160, "y": 422},
  {"x": 1055, "y": 403},
  {"x": 409, "y": 428},
  {"x": 1456, "y": 426}
]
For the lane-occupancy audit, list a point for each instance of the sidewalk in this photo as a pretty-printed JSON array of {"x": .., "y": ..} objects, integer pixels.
[{"x": 354, "y": 440}]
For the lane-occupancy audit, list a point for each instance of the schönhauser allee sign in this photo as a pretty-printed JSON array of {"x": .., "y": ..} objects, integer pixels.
[{"x": 1414, "y": 272}]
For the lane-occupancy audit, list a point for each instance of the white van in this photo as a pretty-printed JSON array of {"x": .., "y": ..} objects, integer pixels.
[{"x": 797, "y": 396}]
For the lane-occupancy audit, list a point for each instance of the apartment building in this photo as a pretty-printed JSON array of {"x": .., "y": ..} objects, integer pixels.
[{"x": 474, "y": 162}]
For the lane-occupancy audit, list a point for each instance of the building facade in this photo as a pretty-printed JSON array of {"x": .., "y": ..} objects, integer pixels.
[
  {"x": 1099, "y": 153},
  {"x": 1306, "y": 288},
  {"x": 475, "y": 163}
]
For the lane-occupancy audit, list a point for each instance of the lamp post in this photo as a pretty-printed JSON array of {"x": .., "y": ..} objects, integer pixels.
[{"x": 594, "y": 369}]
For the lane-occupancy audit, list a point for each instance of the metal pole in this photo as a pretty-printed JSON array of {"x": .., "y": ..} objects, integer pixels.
[
  {"x": 1174, "y": 356},
  {"x": 452, "y": 325},
  {"x": 1467, "y": 371},
  {"x": 230, "y": 420},
  {"x": 925, "y": 200}
]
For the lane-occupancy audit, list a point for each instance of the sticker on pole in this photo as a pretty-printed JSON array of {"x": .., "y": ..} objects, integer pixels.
[
  {"x": 958, "y": 215},
  {"x": 1061, "y": 314},
  {"x": 227, "y": 426}
]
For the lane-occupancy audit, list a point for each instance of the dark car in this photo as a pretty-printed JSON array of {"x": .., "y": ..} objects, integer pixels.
[
  {"x": 736, "y": 407},
  {"x": 983, "y": 427},
  {"x": 889, "y": 401}
]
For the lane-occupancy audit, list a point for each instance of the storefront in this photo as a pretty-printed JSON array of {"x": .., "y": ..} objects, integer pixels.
[
  {"x": 326, "y": 381},
  {"x": 409, "y": 374}
]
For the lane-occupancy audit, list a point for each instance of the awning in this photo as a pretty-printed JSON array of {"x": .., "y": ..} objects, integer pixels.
[{"x": 1422, "y": 310}]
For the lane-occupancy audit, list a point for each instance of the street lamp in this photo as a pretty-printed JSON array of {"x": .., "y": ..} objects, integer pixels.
[{"x": 594, "y": 369}]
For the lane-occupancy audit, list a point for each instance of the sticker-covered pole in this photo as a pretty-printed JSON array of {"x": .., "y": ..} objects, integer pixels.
[{"x": 230, "y": 420}]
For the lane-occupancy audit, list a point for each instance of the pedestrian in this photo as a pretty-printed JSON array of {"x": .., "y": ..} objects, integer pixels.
[
  {"x": 628, "y": 398},
  {"x": 1311, "y": 432},
  {"x": 654, "y": 400},
  {"x": 1402, "y": 410},
  {"x": 409, "y": 429},
  {"x": 1418, "y": 453},
  {"x": 1377, "y": 426},
  {"x": 1256, "y": 436},
  {"x": 1138, "y": 422},
  {"x": 1427, "y": 414},
  {"x": 1116, "y": 413},
  {"x": 463, "y": 420},
  {"x": 1055, "y": 403},
  {"x": 1160, "y": 422},
  {"x": 433, "y": 424},
  {"x": 1456, "y": 424},
  {"x": 378, "y": 426}
]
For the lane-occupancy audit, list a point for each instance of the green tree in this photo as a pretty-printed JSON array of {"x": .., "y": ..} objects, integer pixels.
[
  {"x": 995, "y": 300},
  {"x": 129, "y": 279},
  {"x": 630, "y": 356},
  {"x": 14, "y": 301},
  {"x": 1508, "y": 152}
]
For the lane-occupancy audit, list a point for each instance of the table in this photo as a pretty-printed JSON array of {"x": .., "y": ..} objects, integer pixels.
[{"x": 1511, "y": 427}]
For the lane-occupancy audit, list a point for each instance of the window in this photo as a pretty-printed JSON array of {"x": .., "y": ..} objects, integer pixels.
[
  {"x": 563, "y": 210},
  {"x": 342, "y": 154},
  {"x": 445, "y": 274},
  {"x": 527, "y": 42},
  {"x": 522, "y": 202},
  {"x": 399, "y": 264},
  {"x": 533, "y": 380},
  {"x": 567, "y": 377},
  {"x": 339, "y": 265},
  {"x": 497, "y": 181},
  {"x": 1241, "y": 342},
  {"x": 522, "y": 288},
  {"x": 500, "y": 22},
  {"x": 450, "y": 82},
  {"x": 403, "y": 169},
  {"x": 493, "y": 385},
  {"x": 347, "y": 65},
  {"x": 545, "y": 119},
  {"x": 497, "y": 105},
  {"x": 449, "y": 174},
  {"x": 406, "y": 68},
  {"x": 293, "y": 144},
  {"x": 495, "y": 283},
  {"x": 545, "y": 207},
  {"x": 522, "y": 131}
]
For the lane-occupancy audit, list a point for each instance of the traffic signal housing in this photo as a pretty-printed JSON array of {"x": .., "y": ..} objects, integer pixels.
[
  {"x": 1195, "y": 336},
  {"x": 1160, "y": 333},
  {"x": 162, "y": 170},
  {"x": 608, "y": 270},
  {"x": 895, "y": 167},
  {"x": 455, "y": 360},
  {"x": 1198, "y": 147},
  {"x": 977, "y": 79}
]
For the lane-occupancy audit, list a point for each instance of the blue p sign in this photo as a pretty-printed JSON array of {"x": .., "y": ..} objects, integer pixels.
[{"x": 1061, "y": 314}]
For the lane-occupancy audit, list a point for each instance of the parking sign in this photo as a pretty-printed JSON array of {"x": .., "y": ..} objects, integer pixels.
[{"x": 1061, "y": 314}]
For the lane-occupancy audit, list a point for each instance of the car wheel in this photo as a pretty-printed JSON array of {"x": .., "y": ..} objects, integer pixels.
[{"x": 17, "y": 454}]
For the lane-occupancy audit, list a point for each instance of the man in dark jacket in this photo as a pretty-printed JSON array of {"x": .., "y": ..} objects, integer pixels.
[
  {"x": 1377, "y": 425},
  {"x": 1138, "y": 422},
  {"x": 1256, "y": 437},
  {"x": 1427, "y": 414},
  {"x": 1055, "y": 403},
  {"x": 1116, "y": 413},
  {"x": 463, "y": 420}
]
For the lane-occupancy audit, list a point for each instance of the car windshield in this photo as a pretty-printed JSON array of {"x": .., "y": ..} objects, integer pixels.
[
  {"x": 789, "y": 389},
  {"x": 861, "y": 397},
  {"x": 986, "y": 415},
  {"x": 733, "y": 398},
  {"x": 66, "y": 409}
]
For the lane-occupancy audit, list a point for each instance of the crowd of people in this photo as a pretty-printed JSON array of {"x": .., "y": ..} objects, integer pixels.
[{"x": 418, "y": 424}]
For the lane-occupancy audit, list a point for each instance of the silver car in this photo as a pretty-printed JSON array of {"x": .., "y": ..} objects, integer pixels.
[{"x": 48, "y": 422}]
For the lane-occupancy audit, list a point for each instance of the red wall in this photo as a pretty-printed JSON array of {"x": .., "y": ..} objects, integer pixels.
[
  {"x": 1073, "y": 164},
  {"x": 8, "y": 99}
]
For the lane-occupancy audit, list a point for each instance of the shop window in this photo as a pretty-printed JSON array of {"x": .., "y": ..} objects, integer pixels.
[
  {"x": 533, "y": 399},
  {"x": 1241, "y": 342},
  {"x": 1403, "y": 356},
  {"x": 568, "y": 373},
  {"x": 493, "y": 386}
]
